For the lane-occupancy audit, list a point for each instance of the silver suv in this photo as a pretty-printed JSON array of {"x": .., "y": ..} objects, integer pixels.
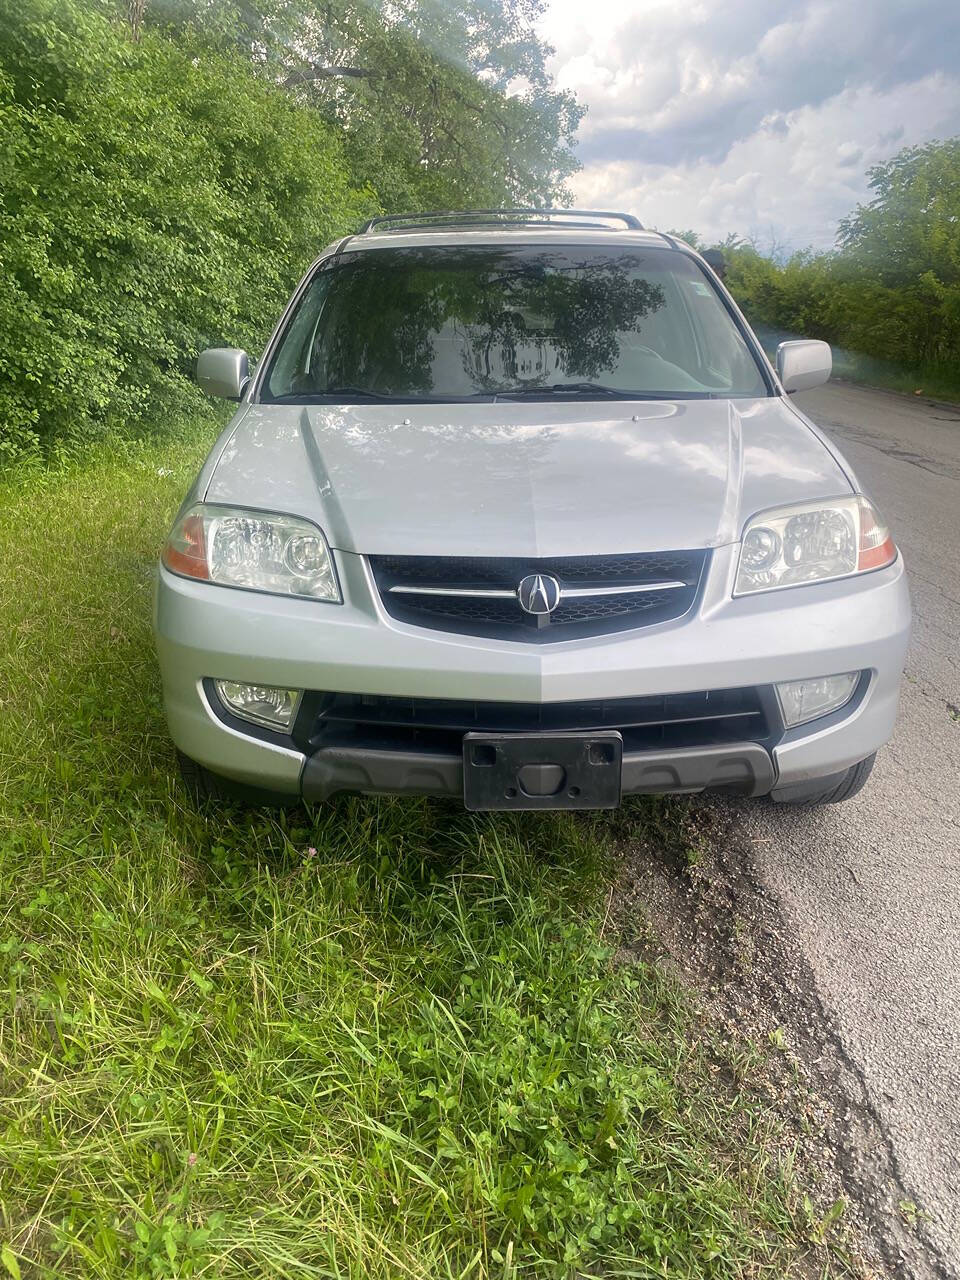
[{"x": 515, "y": 509}]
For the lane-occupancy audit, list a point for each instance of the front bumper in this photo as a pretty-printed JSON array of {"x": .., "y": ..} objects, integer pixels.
[
  {"x": 724, "y": 643},
  {"x": 744, "y": 767}
]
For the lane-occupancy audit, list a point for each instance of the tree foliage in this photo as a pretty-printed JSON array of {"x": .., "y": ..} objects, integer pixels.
[
  {"x": 149, "y": 205},
  {"x": 891, "y": 290},
  {"x": 441, "y": 102},
  {"x": 170, "y": 166}
]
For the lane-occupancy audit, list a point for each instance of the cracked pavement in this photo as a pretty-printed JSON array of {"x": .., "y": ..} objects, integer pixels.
[{"x": 871, "y": 888}]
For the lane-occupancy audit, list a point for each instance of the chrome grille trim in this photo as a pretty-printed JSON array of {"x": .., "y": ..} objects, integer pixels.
[
  {"x": 479, "y": 592},
  {"x": 566, "y": 593},
  {"x": 583, "y": 593}
]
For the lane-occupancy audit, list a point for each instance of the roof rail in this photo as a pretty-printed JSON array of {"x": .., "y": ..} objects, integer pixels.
[{"x": 493, "y": 217}]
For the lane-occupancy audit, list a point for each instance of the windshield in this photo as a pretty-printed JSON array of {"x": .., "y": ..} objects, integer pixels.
[{"x": 463, "y": 323}]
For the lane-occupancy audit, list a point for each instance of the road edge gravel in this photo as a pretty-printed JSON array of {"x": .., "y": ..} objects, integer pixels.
[{"x": 690, "y": 897}]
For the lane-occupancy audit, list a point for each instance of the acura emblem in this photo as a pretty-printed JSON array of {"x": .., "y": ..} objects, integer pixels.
[{"x": 538, "y": 593}]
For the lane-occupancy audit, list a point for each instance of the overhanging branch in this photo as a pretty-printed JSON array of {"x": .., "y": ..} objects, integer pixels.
[{"x": 305, "y": 75}]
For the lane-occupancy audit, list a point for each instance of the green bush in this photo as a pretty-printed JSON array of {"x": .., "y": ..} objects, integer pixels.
[
  {"x": 151, "y": 204},
  {"x": 891, "y": 292}
]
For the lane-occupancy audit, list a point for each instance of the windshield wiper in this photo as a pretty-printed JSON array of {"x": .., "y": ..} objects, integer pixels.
[
  {"x": 576, "y": 388},
  {"x": 347, "y": 393},
  {"x": 347, "y": 390},
  {"x": 327, "y": 393}
]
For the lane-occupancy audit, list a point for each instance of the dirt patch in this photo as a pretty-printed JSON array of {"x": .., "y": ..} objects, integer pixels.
[{"x": 689, "y": 896}]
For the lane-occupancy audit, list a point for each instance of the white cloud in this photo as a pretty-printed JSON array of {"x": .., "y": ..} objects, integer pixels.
[{"x": 759, "y": 118}]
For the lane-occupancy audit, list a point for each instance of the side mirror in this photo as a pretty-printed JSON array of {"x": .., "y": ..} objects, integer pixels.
[
  {"x": 802, "y": 365},
  {"x": 223, "y": 371}
]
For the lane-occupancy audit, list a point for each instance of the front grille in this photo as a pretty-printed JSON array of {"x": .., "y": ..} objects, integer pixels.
[
  {"x": 632, "y": 591},
  {"x": 708, "y": 718}
]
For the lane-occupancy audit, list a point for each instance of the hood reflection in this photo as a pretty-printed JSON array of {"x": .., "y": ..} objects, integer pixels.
[{"x": 574, "y": 478}]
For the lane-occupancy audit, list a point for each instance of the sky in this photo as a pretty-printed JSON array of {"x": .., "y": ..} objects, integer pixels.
[{"x": 749, "y": 116}]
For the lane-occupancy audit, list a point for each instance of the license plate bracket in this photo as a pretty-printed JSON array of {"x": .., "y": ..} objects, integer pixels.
[{"x": 542, "y": 770}]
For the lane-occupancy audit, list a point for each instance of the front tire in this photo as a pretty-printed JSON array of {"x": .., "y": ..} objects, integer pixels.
[
  {"x": 205, "y": 787},
  {"x": 831, "y": 790}
]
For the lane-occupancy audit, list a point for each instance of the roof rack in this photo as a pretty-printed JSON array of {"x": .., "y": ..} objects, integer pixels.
[{"x": 495, "y": 217}]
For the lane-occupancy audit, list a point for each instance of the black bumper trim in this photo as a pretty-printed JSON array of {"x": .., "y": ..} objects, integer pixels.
[{"x": 745, "y": 767}]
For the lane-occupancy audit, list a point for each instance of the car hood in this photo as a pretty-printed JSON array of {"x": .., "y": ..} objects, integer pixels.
[{"x": 525, "y": 479}]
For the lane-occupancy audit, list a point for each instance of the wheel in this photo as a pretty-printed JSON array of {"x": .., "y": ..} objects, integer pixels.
[
  {"x": 205, "y": 786},
  {"x": 830, "y": 790}
]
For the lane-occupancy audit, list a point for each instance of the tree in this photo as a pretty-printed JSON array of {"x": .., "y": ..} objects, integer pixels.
[
  {"x": 442, "y": 102},
  {"x": 907, "y": 239},
  {"x": 912, "y": 225},
  {"x": 150, "y": 204}
]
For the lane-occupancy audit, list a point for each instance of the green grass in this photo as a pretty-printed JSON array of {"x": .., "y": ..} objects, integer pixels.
[
  {"x": 938, "y": 382},
  {"x": 383, "y": 1039}
]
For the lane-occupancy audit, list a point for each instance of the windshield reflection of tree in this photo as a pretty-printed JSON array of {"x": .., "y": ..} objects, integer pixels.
[{"x": 566, "y": 316}]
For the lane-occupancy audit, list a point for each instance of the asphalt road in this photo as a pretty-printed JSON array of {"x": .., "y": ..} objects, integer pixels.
[{"x": 872, "y": 887}]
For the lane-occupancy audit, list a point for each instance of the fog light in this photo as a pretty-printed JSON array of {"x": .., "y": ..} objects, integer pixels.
[
  {"x": 260, "y": 703},
  {"x": 803, "y": 700}
]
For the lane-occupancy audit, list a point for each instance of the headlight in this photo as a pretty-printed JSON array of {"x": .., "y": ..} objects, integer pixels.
[
  {"x": 280, "y": 554},
  {"x": 812, "y": 542}
]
